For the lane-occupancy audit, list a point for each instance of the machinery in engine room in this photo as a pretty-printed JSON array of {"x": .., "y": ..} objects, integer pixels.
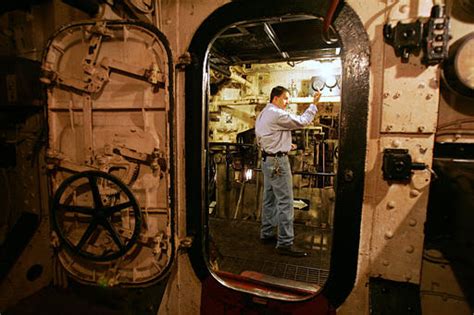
[{"x": 235, "y": 179}]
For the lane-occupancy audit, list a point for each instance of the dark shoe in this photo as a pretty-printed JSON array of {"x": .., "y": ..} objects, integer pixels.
[
  {"x": 268, "y": 240},
  {"x": 291, "y": 250}
]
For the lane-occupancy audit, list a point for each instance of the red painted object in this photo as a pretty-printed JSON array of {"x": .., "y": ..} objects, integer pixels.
[{"x": 217, "y": 299}]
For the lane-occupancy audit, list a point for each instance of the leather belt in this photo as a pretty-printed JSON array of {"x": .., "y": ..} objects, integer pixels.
[{"x": 265, "y": 154}]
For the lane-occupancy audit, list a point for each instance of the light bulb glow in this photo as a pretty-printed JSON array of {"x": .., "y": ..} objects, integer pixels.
[{"x": 248, "y": 174}]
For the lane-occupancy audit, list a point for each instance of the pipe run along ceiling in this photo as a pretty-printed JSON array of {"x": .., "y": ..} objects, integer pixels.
[{"x": 290, "y": 38}]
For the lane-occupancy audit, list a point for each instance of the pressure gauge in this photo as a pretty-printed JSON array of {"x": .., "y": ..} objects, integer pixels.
[
  {"x": 317, "y": 83},
  {"x": 459, "y": 69},
  {"x": 331, "y": 82}
]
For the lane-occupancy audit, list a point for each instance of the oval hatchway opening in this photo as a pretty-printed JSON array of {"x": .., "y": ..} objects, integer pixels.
[{"x": 239, "y": 58}]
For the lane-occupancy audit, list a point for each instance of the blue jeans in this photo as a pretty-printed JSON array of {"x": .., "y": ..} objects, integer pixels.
[{"x": 277, "y": 206}]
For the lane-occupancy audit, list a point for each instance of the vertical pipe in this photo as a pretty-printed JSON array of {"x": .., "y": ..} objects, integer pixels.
[{"x": 329, "y": 15}]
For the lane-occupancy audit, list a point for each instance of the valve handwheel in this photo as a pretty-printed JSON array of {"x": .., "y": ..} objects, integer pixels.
[{"x": 88, "y": 207}]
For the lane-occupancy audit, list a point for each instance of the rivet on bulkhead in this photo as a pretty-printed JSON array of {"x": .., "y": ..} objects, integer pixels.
[
  {"x": 414, "y": 193},
  {"x": 403, "y": 8},
  {"x": 386, "y": 95},
  {"x": 412, "y": 222},
  {"x": 421, "y": 128},
  {"x": 396, "y": 143},
  {"x": 385, "y": 263},
  {"x": 388, "y": 235},
  {"x": 410, "y": 249},
  {"x": 390, "y": 204},
  {"x": 396, "y": 95}
]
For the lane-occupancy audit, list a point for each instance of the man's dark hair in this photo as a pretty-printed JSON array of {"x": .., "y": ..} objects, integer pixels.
[{"x": 277, "y": 91}]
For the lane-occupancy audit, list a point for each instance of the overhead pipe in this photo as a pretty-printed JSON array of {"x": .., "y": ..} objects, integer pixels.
[
  {"x": 274, "y": 39},
  {"x": 237, "y": 78},
  {"x": 231, "y": 74},
  {"x": 329, "y": 15}
]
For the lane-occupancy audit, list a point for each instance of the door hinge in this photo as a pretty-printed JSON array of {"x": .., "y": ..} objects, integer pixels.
[
  {"x": 184, "y": 60},
  {"x": 185, "y": 242}
]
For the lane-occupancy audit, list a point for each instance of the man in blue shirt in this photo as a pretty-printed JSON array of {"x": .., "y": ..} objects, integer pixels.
[{"x": 273, "y": 131}]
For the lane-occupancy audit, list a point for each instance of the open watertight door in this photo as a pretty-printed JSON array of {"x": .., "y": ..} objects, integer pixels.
[{"x": 110, "y": 109}]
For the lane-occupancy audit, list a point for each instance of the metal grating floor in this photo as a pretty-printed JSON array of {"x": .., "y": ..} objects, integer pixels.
[
  {"x": 277, "y": 269},
  {"x": 235, "y": 247}
]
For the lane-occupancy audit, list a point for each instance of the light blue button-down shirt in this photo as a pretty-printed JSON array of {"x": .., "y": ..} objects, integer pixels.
[{"x": 273, "y": 127}]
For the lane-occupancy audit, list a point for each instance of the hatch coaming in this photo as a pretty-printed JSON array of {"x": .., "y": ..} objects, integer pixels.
[{"x": 109, "y": 103}]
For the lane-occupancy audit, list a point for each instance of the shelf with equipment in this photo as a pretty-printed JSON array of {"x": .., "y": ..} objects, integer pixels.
[{"x": 308, "y": 100}]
